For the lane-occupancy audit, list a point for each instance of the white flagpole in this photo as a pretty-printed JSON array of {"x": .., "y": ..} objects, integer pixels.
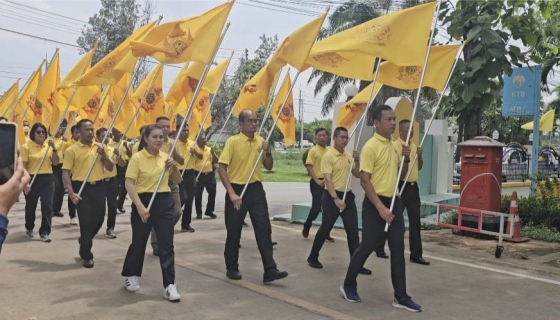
[
  {"x": 416, "y": 103},
  {"x": 270, "y": 133},
  {"x": 269, "y": 107},
  {"x": 362, "y": 121},
  {"x": 189, "y": 112},
  {"x": 426, "y": 130}
]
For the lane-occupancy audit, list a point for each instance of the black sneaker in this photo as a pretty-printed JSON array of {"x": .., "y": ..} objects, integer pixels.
[
  {"x": 274, "y": 274},
  {"x": 121, "y": 210},
  {"x": 245, "y": 224},
  {"x": 382, "y": 255},
  {"x": 199, "y": 216},
  {"x": 88, "y": 263},
  {"x": 187, "y": 229},
  {"x": 211, "y": 215},
  {"x": 314, "y": 263},
  {"x": 365, "y": 271},
  {"x": 407, "y": 304},
  {"x": 233, "y": 274},
  {"x": 330, "y": 239},
  {"x": 58, "y": 214}
]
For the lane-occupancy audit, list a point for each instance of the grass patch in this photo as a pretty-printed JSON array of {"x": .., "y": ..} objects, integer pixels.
[
  {"x": 541, "y": 233},
  {"x": 288, "y": 167}
]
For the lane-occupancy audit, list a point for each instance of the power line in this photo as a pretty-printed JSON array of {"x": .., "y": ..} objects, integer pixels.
[
  {"x": 42, "y": 18},
  {"x": 40, "y": 38},
  {"x": 38, "y": 24},
  {"x": 44, "y": 11},
  {"x": 277, "y": 10}
]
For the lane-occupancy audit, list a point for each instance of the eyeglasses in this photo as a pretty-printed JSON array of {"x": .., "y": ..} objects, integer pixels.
[
  {"x": 251, "y": 121},
  {"x": 40, "y": 132}
]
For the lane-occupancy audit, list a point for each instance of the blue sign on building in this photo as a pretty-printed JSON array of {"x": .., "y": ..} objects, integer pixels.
[{"x": 522, "y": 92}]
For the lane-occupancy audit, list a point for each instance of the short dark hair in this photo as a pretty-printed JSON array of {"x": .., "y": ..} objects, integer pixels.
[
  {"x": 147, "y": 130},
  {"x": 378, "y": 111},
  {"x": 158, "y": 119},
  {"x": 403, "y": 122},
  {"x": 73, "y": 129},
  {"x": 100, "y": 131},
  {"x": 338, "y": 130},
  {"x": 34, "y": 129},
  {"x": 321, "y": 129},
  {"x": 142, "y": 128},
  {"x": 178, "y": 126},
  {"x": 3, "y": 118},
  {"x": 82, "y": 122}
]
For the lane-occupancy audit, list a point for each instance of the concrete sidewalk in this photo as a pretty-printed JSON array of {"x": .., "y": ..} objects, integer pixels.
[{"x": 465, "y": 281}]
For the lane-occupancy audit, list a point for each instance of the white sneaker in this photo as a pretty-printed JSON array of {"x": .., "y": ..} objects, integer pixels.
[
  {"x": 74, "y": 221},
  {"x": 131, "y": 283},
  {"x": 170, "y": 293}
]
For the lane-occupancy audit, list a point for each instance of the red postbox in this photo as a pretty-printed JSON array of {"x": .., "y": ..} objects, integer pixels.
[{"x": 481, "y": 178}]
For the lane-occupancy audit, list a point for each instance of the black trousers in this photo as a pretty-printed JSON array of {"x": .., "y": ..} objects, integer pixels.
[
  {"x": 205, "y": 181},
  {"x": 254, "y": 202},
  {"x": 411, "y": 202},
  {"x": 91, "y": 213},
  {"x": 58, "y": 197},
  {"x": 316, "y": 195},
  {"x": 111, "y": 193},
  {"x": 43, "y": 188},
  {"x": 188, "y": 192},
  {"x": 121, "y": 172},
  {"x": 161, "y": 220},
  {"x": 372, "y": 236},
  {"x": 330, "y": 214}
]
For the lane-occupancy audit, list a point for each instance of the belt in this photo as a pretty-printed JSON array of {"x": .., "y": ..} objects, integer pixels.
[
  {"x": 93, "y": 183},
  {"x": 108, "y": 179},
  {"x": 411, "y": 184},
  {"x": 204, "y": 173}
]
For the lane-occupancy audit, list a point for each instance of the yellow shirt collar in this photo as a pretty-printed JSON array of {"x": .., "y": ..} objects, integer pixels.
[{"x": 381, "y": 138}]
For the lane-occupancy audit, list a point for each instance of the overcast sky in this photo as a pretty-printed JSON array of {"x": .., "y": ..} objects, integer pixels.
[{"x": 20, "y": 54}]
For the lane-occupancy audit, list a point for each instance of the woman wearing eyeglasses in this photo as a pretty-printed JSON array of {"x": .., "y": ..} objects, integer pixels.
[{"x": 43, "y": 186}]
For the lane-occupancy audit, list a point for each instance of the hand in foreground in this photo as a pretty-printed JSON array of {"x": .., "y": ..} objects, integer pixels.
[
  {"x": 236, "y": 200},
  {"x": 144, "y": 214},
  {"x": 10, "y": 191}
]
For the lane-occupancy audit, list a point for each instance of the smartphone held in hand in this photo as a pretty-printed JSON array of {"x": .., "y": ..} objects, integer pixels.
[{"x": 8, "y": 150}]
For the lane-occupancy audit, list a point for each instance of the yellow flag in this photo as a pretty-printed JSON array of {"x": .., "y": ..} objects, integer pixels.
[
  {"x": 400, "y": 37},
  {"x": 190, "y": 39},
  {"x": 408, "y": 78},
  {"x": 295, "y": 48},
  {"x": 27, "y": 98},
  {"x": 78, "y": 70},
  {"x": 109, "y": 69},
  {"x": 352, "y": 110},
  {"x": 175, "y": 93},
  {"x": 255, "y": 92},
  {"x": 128, "y": 108},
  {"x": 214, "y": 77},
  {"x": 47, "y": 94},
  {"x": 8, "y": 98},
  {"x": 151, "y": 89},
  {"x": 287, "y": 122},
  {"x": 201, "y": 107},
  {"x": 546, "y": 122},
  {"x": 88, "y": 101},
  {"x": 187, "y": 82}
]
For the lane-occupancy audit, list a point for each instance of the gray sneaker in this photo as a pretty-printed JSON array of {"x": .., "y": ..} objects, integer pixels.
[
  {"x": 29, "y": 234},
  {"x": 110, "y": 234},
  {"x": 45, "y": 238}
]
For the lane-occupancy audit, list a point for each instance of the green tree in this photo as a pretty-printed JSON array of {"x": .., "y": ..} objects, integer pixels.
[
  {"x": 115, "y": 21},
  {"x": 486, "y": 27}
]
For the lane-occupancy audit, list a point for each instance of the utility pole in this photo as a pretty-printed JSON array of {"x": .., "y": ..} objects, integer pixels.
[{"x": 301, "y": 119}]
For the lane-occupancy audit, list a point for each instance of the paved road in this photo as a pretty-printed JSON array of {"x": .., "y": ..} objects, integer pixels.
[{"x": 465, "y": 281}]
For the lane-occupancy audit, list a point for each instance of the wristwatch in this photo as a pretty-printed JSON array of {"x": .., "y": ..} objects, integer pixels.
[{"x": 335, "y": 197}]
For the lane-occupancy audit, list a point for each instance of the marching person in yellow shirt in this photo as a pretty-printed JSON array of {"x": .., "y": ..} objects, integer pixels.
[
  {"x": 58, "y": 197},
  {"x": 67, "y": 144},
  {"x": 205, "y": 157}
]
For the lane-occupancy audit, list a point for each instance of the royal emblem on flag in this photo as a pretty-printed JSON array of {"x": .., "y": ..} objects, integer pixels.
[
  {"x": 106, "y": 70},
  {"x": 152, "y": 99},
  {"x": 355, "y": 107},
  {"x": 202, "y": 103},
  {"x": 287, "y": 113},
  {"x": 331, "y": 59},
  {"x": 92, "y": 105},
  {"x": 111, "y": 109},
  {"x": 250, "y": 88},
  {"x": 192, "y": 83},
  {"x": 51, "y": 99},
  {"x": 176, "y": 42},
  {"x": 409, "y": 74},
  {"x": 35, "y": 105},
  {"x": 376, "y": 35}
]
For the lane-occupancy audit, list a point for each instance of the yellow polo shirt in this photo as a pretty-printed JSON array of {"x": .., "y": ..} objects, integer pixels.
[
  {"x": 79, "y": 157},
  {"x": 58, "y": 144},
  {"x": 113, "y": 157},
  {"x": 135, "y": 147},
  {"x": 380, "y": 158},
  {"x": 206, "y": 159},
  {"x": 314, "y": 157},
  {"x": 184, "y": 149},
  {"x": 65, "y": 146},
  {"x": 32, "y": 153},
  {"x": 122, "y": 150},
  {"x": 413, "y": 148},
  {"x": 338, "y": 165},
  {"x": 145, "y": 169},
  {"x": 240, "y": 154}
]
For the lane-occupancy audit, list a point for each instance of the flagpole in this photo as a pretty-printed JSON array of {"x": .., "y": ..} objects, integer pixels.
[
  {"x": 112, "y": 124},
  {"x": 37, "y": 89},
  {"x": 189, "y": 111},
  {"x": 13, "y": 105},
  {"x": 361, "y": 123},
  {"x": 426, "y": 130},
  {"x": 416, "y": 103},
  {"x": 102, "y": 99},
  {"x": 69, "y": 125},
  {"x": 62, "y": 116},
  {"x": 270, "y": 133},
  {"x": 269, "y": 107},
  {"x": 10, "y": 106}
]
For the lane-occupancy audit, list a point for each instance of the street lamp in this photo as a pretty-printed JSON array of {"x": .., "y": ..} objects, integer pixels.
[
  {"x": 531, "y": 138},
  {"x": 351, "y": 91},
  {"x": 495, "y": 135}
]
